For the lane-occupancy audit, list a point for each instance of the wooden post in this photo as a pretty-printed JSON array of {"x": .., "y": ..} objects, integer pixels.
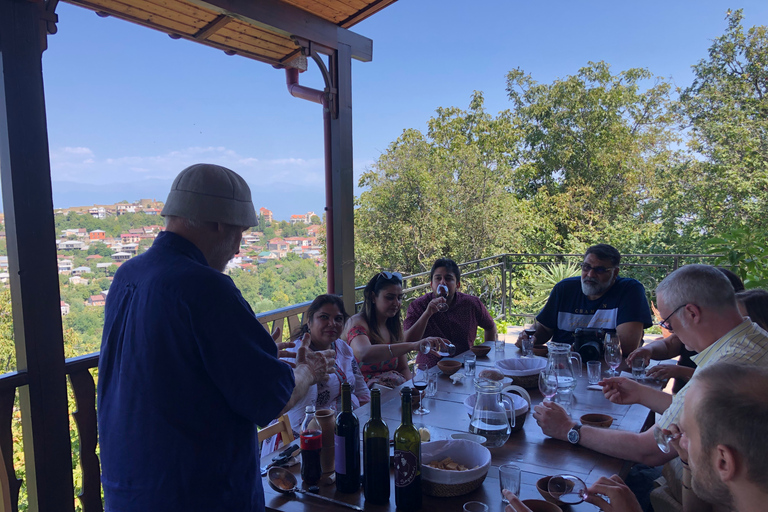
[
  {"x": 343, "y": 179},
  {"x": 28, "y": 205}
]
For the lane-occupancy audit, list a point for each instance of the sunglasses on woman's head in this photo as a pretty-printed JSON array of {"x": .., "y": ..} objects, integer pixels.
[{"x": 389, "y": 276}]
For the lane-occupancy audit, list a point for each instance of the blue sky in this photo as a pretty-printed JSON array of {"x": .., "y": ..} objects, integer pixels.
[{"x": 128, "y": 107}]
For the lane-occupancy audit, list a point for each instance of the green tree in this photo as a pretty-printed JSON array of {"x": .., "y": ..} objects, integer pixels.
[
  {"x": 440, "y": 194},
  {"x": 591, "y": 149},
  {"x": 725, "y": 113}
]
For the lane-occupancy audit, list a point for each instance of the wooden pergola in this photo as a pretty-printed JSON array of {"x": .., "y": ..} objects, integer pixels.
[{"x": 285, "y": 34}]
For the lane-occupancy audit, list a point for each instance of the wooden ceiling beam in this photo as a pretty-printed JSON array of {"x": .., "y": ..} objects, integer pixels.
[
  {"x": 212, "y": 27},
  {"x": 285, "y": 19}
]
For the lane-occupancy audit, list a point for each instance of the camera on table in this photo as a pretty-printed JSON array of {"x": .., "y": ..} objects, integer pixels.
[{"x": 588, "y": 342}]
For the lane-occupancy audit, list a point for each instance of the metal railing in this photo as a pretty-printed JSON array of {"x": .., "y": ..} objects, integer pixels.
[{"x": 492, "y": 281}]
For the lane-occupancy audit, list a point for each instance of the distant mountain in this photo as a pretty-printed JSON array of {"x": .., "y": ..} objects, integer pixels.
[{"x": 284, "y": 199}]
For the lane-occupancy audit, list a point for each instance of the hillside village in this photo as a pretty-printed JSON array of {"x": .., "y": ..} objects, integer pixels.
[{"x": 85, "y": 256}]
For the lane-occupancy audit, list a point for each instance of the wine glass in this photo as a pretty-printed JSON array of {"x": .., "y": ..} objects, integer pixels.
[
  {"x": 548, "y": 383},
  {"x": 569, "y": 489},
  {"x": 612, "y": 353},
  {"x": 442, "y": 291},
  {"x": 421, "y": 381},
  {"x": 663, "y": 437}
]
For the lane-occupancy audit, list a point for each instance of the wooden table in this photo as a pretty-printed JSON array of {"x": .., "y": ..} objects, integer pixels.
[{"x": 536, "y": 454}]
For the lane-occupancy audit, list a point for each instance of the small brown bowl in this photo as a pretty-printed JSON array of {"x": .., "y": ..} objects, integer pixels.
[
  {"x": 541, "y": 506},
  {"x": 480, "y": 350},
  {"x": 542, "y": 485},
  {"x": 597, "y": 420},
  {"x": 541, "y": 351},
  {"x": 449, "y": 367}
]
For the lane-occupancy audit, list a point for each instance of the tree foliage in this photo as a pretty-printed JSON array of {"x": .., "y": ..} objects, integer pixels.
[{"x": 725, "y": 113}]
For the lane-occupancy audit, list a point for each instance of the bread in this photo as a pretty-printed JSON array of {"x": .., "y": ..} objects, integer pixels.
[{"x": 491, "y": 375}]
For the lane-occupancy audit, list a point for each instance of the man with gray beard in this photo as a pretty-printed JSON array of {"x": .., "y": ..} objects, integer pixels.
[{"x": 598, "y": 299}]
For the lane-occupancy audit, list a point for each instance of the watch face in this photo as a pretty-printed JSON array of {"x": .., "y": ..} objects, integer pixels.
[{"x": 573, "y": 436}]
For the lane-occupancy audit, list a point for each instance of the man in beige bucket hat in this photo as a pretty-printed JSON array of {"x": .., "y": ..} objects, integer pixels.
[{"x": 186, "y": 371}]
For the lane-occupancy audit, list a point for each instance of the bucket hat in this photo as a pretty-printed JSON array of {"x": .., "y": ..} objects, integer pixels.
[{"x": 211, "y": 193}]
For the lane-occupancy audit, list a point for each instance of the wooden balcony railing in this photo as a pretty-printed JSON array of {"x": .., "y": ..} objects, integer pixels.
[{"x": 82, "y": 382}]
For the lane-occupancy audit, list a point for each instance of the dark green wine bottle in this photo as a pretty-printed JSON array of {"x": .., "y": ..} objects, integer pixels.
[
  {"x": 376, "y": 454},
  {"x": 407, "y": 460},
  {"x": 347, "y": 446}
]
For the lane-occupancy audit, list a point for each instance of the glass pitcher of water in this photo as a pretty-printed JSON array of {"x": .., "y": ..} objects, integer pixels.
[
  {"x": 489, "y": 417},
  {"x": 567, "y": 366}
]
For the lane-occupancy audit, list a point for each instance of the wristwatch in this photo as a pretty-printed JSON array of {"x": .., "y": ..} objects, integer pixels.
[{"x": 574, "y": 435}]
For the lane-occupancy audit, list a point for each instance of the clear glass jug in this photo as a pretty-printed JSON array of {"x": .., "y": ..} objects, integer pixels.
[
  {"x": 489, "y": 417},
  {"x": 561, "y": 359}
]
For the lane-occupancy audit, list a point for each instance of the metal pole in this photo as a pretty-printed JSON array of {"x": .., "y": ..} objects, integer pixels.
[
  {"x": 343, "y": 180},
  {"x": 504, "y": 287}
]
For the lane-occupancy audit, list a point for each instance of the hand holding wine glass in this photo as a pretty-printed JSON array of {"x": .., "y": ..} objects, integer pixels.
[
  {"x": 664, "y": 437},
  {"x": 548, "y": 383}
]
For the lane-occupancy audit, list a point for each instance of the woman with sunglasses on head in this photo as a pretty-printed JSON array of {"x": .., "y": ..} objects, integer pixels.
[
  {"x": 323, "y": 323},
  {"x": 376, "y": 332}
]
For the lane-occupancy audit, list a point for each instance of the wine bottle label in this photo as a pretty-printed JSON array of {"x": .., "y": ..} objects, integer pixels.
[
  {"x": 406, "y": 467},
  {"x": 340, "y": 455}
]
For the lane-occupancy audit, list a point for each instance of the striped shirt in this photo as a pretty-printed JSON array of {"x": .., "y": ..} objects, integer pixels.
[{"x": 746, "y": 343}]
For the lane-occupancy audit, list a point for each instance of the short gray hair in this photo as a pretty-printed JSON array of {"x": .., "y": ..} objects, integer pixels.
[
  {"x": 733, "y": 411},
  {"x": 702, "y": 285}
]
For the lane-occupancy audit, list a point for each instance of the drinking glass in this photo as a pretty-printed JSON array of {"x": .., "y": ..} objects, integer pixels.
[
  {"x": 568, "y": 489},
  {"x": 548, "y": 383},
  {"x": 612, "y": 353},
  {"x": 432, "y": 386},
  {"x": 500, "y": 346},
  {"x": 475, "y": 506},
  {"x": 529, "y": 339},
  {"x": 421, "y": 381},
  {"x": 593, "y": 371},
  {"x": 442, "y": 291},
  {"x": 663, "y": 437},
  {"x": 509, "y": 479},
  {"x": 469, "y": 364},
  {"x": 638, "y": 368}
]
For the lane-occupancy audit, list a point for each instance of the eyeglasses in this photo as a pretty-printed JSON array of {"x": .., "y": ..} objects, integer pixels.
[
  {"x": 664, "y": 324},
  {"x": 389, "y": 276},
  {"x": 586, "y": 267}
]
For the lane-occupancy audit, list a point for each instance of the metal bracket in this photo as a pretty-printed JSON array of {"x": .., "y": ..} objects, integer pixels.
[{"x": 314, "y": 50}]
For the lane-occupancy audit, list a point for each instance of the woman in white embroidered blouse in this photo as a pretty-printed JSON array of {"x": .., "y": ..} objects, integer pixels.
[{"x": 323, "y": 323}]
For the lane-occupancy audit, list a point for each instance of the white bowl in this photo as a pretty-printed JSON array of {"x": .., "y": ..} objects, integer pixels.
[
  {"x": 470, "y": 454},
  {"x": 521, "y": 367},
  {"x": 469, "y": 437}
]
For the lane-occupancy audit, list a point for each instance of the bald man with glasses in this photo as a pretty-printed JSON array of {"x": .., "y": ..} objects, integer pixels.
[{"x": 598, "y": 299}]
